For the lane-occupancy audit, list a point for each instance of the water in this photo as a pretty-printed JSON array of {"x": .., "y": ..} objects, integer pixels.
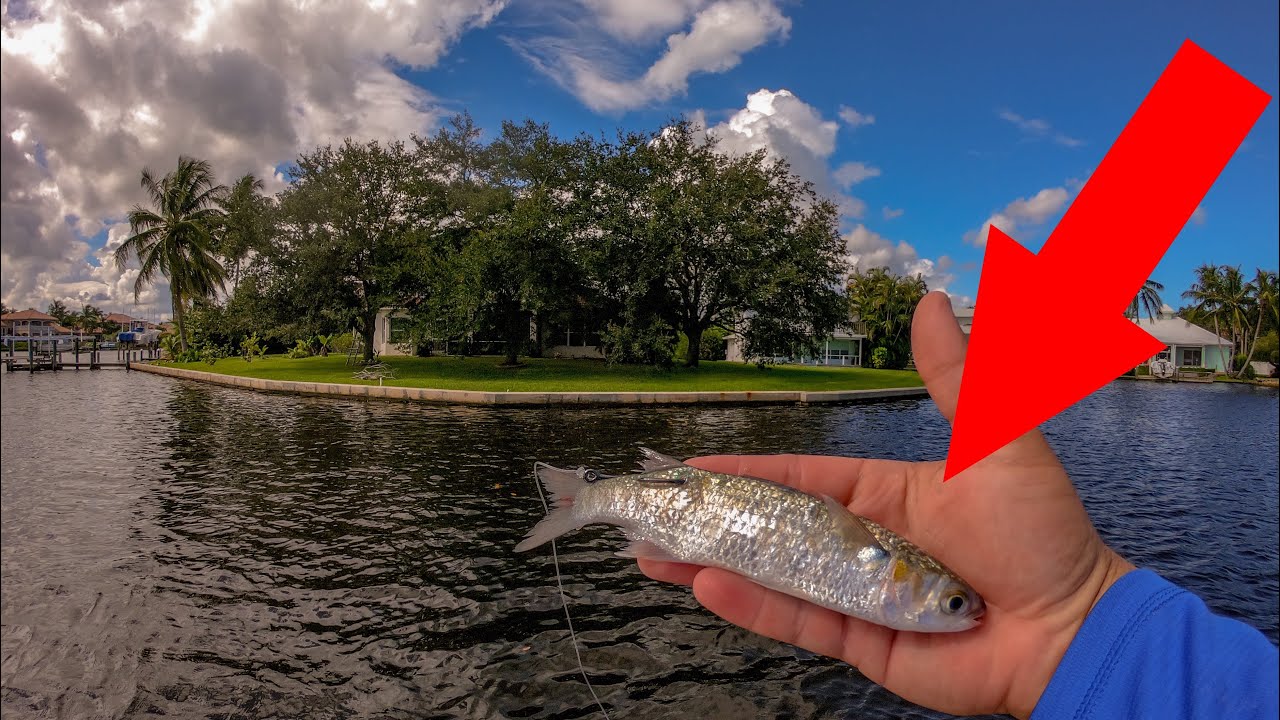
[{"x": 177, "y": 549}]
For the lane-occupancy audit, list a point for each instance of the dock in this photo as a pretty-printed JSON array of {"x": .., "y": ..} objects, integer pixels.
[{"x": 61, "y": 352}]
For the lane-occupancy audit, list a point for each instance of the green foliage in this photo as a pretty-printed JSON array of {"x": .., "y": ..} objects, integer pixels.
[
  {"x": 341, "y": 343},
  {"x": 1248, "y": 372},
  {"x": 652, "y": 344},
  {"x": 301, "y": 350},
  {"x": 884, "y": 304},
  {"x": 880, "y": 358},
  {"x": 58, "y": 311},
  {"x": 250, "y": 348},
  {"x": 323, "y": 343}
]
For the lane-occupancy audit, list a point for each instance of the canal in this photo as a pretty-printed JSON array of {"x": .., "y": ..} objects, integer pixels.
[{"x": 171, "y": 548}]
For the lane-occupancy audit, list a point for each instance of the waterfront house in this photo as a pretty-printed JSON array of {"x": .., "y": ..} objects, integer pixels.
[
  {"x": 31, "y": 323},
  {"x": 1187, "y": 344},
  {"x": 964, "y": 316},
  {"x": 842, "y": 347}
]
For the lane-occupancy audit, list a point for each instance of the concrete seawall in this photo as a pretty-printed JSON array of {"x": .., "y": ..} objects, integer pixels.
[{"x": 476, "y": 397}]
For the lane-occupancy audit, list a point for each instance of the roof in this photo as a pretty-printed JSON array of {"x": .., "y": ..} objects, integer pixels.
[
  {"x": 120, "y": 318},
  {"x": 963, "y": 312},
  {"x": 1176, "y": 331},
  {"x": 28, "y": 314}
]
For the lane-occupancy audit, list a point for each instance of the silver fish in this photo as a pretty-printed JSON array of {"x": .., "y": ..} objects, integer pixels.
[{"x": 805, "y": 546}]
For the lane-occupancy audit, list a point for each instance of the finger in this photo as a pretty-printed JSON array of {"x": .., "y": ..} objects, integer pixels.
[
  {"x": 770, "y": 613},
  {"x": 669, "y": 572},
  {"x": 836, "y": 477},
  {"x": 939, "y": 347},
  {"x": 939, "y": 344}
]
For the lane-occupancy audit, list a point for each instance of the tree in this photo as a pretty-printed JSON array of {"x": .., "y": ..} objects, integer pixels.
[
  {"x": 1148, "y": 298},
  {"x": 59, "y": 312},
  {"x": 348, "y": 223},
  {"x": 884, "y": 304},
  {"x": 245, "y": 225},
  {"x": 1264, "y": 307},
  {"x": 176, "y": 239},
  {"x": 698, "y": 238}
]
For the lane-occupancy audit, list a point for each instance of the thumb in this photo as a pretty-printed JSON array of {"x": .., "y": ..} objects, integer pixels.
[{"x": 939, "y": 344}]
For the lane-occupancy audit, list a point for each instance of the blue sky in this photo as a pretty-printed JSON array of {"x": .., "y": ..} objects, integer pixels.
[
  {"x": 925, "y": 121},
  {"x": 937, "y": 78}
]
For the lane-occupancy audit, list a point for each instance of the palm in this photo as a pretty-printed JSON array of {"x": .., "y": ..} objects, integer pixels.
[
  {"x": 1011, "y": 526},
  {"x": 175, "y": 240}
]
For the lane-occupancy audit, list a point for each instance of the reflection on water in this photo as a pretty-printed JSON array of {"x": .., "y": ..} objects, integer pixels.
[{"x": 176, "y": 549}]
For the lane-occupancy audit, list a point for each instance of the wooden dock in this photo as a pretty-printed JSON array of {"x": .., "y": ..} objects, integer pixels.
[{"x": 29, "y": 354}]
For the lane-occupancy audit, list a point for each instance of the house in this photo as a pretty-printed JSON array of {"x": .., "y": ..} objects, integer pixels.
[
  {"x": 31, "y": 323},
  {"x": 1186, "y": 344},
  {"x": 842, "y": 347},
  {"x": 964, "y": 316}
]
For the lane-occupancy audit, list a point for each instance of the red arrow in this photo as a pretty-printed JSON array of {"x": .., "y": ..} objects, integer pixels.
[{"x": 1119, "y": 227}]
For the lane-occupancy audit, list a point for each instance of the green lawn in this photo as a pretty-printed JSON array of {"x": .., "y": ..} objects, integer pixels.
[{"x": 541, "y": 375}]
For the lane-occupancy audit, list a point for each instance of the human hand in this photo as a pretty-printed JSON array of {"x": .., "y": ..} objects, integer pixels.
[{"x": 1011, "y": 526}]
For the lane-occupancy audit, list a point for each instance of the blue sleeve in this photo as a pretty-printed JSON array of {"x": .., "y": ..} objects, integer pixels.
[{"x": 1150, "y": 649}]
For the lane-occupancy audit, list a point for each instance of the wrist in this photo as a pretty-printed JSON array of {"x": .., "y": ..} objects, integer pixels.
[{"x": 1109, "y": 568}]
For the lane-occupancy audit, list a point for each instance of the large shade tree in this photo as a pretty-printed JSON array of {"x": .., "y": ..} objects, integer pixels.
[{"x": 175, "y": 237}]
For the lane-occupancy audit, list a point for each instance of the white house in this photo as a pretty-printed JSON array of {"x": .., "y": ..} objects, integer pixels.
[
  {"x": 841, "y": 348},
  {"x": 1186, "y": 344}
]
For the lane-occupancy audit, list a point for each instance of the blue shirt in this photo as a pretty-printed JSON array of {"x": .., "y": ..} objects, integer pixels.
[{"x": 1150, "y": 649}]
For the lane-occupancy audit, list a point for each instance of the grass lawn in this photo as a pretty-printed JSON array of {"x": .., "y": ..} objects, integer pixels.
[{"x": 543, "y": 375}]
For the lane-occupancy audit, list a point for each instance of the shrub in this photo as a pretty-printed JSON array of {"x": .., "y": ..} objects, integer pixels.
[
  {"x": 300, "y": 350},
  {"x": 1249, "y": 372},
  {"x": 341, "y": 343},
  {"x": 211, "y": 354},
  {"x": 652, "y": 344},
  {"x": 251, "y": 347},
  {"x": 880, "y": 358}
]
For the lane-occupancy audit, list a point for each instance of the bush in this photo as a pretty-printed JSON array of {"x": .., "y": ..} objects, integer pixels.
[
  {"x": 341, "y": 344},
  {"x": 1249, "y": 372},
  {"x": 211, "y": 354},
  {"x": 880, "y": 358},
  {"x": 300, "y": 350},
  {"x": 652, "y": 344},
  {"x": 251, "y": 347},
  {"x": 1238, "y": 361}
]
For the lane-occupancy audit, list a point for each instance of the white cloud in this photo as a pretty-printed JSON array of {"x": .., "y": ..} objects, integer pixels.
[
  {"x": 1199, "y": 217},
  {"x": 853, "y": 118},
  {"x": 1022, "y": 212},
  {"x": 1038, "y": 127},
  {"x": 852, "y": 173},
  {"x": 786, "y": 127},
  {"x": 717, "y": 37},
  {"x": 867, "y": 249},
  {"x": 891, "y": 213},
  {"x": 92, "y": 93}
]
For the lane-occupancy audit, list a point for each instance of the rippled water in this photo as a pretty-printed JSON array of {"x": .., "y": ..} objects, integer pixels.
[{"x": 176, "y": 549}]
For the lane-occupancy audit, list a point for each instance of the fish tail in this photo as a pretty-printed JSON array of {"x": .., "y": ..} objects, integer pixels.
[{"x": 563, "y": 486}]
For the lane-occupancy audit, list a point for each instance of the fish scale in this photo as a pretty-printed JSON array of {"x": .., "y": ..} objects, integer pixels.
[{"x": 805, "y": 546}]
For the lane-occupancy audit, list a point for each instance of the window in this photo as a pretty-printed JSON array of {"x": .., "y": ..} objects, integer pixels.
[
  {"x": 1190, "y": 357},
  {"x": 399, "y": 332},
  {"x": 1163, "y": 354}
]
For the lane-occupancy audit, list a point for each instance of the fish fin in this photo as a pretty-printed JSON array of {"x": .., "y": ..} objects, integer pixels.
[
  {"x": 647, "y": 550},
  {"x": 848, "y": 524},
  {"x": 657, "y": 461},
  {"x": 558, "y": 522},
  {"x": 563, "y": 486}
]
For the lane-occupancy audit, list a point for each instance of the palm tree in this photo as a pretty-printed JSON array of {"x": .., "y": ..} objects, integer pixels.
[
  {"x": 1205, "y": 295},
  {"x": 176, "y": 239},
  {"x": 1148, "y": 298},
  {"x": 1265, "y": 306}
]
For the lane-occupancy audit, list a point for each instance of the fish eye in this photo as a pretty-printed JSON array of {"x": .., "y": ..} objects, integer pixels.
[
  {"x": 591, "y": 476},
  {"x": 954, "y": 603}
]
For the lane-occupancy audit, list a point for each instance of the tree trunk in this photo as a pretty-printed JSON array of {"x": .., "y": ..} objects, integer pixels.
[
  {"x": 368, "y": 323},
  {"x": 692, "y": 353},
  {"x": 178, "y": 318},
  {"x": 1252, "y": 346},
  {"x": 1226, "y": 365},
  {"x": 514, "y": 334}
]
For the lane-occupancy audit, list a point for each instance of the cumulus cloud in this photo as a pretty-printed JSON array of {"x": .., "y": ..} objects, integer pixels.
[
  {"x": 93, "y": 92},
  {"x": 867, "y": 249},
  {"x": 891, "y": 213},
  {"x": 852, "y": 173},
  {"x": 718, "y": 34},
  {"x": 786, "y": 127},
  {"x": 1038, "y": 127},
  {"x": 1022, "y": 212},
  {"x": 853, "y": 118}
]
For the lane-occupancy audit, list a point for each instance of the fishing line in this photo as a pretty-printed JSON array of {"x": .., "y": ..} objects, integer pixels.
[{"x": 564, "y": 602}]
